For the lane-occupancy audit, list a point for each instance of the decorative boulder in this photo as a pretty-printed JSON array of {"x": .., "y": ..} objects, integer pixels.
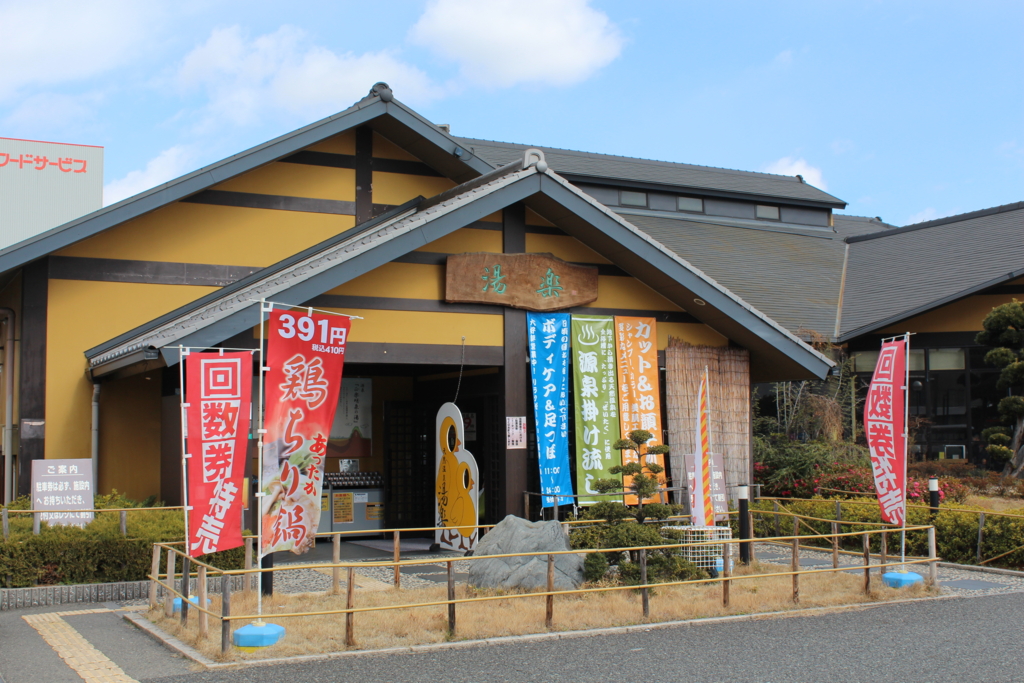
[{"x": 516, "y": 535}]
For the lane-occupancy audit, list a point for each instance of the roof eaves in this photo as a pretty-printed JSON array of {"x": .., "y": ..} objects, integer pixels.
[
  {"x": 689, "y": 266},
  {"x": 924, "y": 308},
  {"x": 273, "y": 279},
  {"x": 1005, "y": 208},
  {"x": 365, "y": 110}
]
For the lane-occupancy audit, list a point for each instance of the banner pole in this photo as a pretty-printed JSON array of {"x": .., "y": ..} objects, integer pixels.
[
  {"x": 182, "y": 353},
  {"x": 260, "y": 431},
  {"x": 906, "y": 454}
]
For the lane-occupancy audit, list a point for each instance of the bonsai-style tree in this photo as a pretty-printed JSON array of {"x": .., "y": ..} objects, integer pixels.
[
  {"x": 644, "y": 484},
  {"x": 1004, "y": 329}
]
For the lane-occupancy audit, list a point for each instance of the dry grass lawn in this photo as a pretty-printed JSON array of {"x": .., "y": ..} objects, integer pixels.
[
  {"x": 511, "y": 615},
  {"x": 994, "y": 503}
]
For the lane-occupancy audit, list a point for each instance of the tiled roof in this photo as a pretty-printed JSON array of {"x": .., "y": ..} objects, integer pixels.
[
  {"x": 793, "y": 278},
  {"x": 902, "y": 272},
  {"x": 572, "y": 163}
]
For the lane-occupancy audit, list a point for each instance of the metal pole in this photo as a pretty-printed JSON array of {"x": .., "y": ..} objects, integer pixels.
[
  {"x": 168, "y": 594},
  {"x": 266, "y": 578},
  {"x": 182, "y": 353},
  {"x": 8, "y": 435},
  {"x": 743, "y": 492},
  {"x": 260, "y": 432},
  {"x": 154, "y": 571},
  {"x": 933, "y": 570},
  {"x": 247, "y": 584},
  {"x": 906, "y": 434}
]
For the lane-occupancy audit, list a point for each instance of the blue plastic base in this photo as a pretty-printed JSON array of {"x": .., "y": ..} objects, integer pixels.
[
  {"x": 901, "y": 579},
  {"x": 252, "y": 635},
  {"x": 193, "y": 599}
]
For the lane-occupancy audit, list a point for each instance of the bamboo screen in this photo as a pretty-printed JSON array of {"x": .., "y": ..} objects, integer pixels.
[{"x": 729, "y": 377}]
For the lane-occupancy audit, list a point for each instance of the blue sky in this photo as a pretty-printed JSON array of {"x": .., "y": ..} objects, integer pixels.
[{"x": 906, "y": 110}]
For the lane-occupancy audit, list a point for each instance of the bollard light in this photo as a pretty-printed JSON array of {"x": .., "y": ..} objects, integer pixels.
[
  {"x": 933, "y": 483},
  {"x": 743, "y": 492}
]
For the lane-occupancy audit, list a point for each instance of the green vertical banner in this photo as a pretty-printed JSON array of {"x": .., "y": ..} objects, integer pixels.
[{"x": 595, "y": 388}]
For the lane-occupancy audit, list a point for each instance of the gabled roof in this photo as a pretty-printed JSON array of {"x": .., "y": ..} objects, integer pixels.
[
  {"x": 578, "y": 166},
  {"x": 793, "y": 276},
  {"x": 379, "y": 110},
  {"x": 903, "y": 272},
  {"x": 775, "y": 352},
  {"x": 846, "y": 225}
]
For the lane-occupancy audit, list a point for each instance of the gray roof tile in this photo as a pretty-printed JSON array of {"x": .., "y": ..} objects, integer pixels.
[
  {"x": 569, "y": 162},
  {"x": 792, "y": 278},
  {"x": 902, "y": 272}
]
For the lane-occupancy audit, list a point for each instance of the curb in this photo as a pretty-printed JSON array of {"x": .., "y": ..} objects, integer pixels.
[
  {"x": 979, "y": 568},
  {"x": 191, "y": 653},
  {"x": 85, "y": 593}
]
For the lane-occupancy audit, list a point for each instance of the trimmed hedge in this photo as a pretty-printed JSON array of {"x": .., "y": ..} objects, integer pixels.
[
  {"x": 96, "y": 553},
  {"x": 956, "y": 530}
]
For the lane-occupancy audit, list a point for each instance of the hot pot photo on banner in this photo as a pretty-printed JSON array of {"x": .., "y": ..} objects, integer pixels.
[
  {"x": 305, "y": 357},
  {"x": 457, "y": 487},
  {"x": 218, "y": 399}
]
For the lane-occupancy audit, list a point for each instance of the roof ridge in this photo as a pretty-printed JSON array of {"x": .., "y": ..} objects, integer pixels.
[
  {"x": 1004, "y": 208},
  {"x": 720, "y": 169}
]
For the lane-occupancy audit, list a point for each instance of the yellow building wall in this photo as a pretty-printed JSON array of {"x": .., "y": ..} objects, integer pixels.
[
  {"x": 82, "y": 315},
  {"x": 965, "y": 315},
  {"x": 342, "y": 143},
  {"x": 10, "y": 297},
  {"x": 225, "y": 235},
  {"x": 130, "y": 436}
]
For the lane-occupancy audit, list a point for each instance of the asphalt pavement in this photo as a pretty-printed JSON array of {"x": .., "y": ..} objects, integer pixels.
[{"x": 957, "y": 639}]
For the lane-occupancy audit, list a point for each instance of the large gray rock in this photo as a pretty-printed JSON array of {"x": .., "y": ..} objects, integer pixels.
[{"x": 516, "y": 535}]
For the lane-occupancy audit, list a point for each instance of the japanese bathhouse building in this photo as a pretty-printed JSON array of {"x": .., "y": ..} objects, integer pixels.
[{"x": 360, "y": 213}]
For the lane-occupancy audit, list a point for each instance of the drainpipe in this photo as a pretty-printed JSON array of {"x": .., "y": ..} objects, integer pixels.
[
  {"x": 95, "y": 436},
  {"x": 8, "y": 434}
]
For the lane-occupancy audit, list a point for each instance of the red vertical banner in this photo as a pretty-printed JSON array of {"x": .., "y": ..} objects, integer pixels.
[
  {"x": 884, "y": 419},
  {"x": 305, "y": 354},
  {"x": 218, "y": 400}
]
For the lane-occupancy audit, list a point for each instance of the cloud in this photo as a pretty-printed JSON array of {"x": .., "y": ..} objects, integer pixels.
[
  {"x": 247, "y": 79},
  {"x": 502, "y": 43},
  {"x": 842, "y": 146},
  {"x": 48, "y": 42},
  {"x": 791, "y": 166},
  {"x": 929, "y": 214},
  {"x": 168, "y": 165},
  {"x": 52, "y": 110}
]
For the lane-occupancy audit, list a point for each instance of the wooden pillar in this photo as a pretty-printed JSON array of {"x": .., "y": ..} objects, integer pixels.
[
  {"x": 35, "y": 287},
  {"x": 364, "y": 174},
  {"x": 515, "y": 464}
]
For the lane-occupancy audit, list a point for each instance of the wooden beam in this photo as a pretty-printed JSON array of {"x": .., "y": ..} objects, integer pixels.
[
  {"x": 515, "y": 464},
  {"x": 32, "y": 402},
  {"x": 364, "y": 174}
]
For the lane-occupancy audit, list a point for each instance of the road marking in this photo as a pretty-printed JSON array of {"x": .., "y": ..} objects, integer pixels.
[{"x": 77, "y": 652}]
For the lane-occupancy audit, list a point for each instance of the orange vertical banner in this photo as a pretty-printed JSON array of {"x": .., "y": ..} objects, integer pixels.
[{"x": 636, "y": 352}]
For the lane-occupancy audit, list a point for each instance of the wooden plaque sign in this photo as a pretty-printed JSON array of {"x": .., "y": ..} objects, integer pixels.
[{"x": 535, "y": 282}]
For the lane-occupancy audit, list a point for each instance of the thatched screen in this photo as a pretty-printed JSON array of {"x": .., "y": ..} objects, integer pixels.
[{"x": 729, "y": 377}]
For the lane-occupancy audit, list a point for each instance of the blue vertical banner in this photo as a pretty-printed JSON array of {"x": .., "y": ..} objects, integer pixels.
[{"x": 549, "y": 375}]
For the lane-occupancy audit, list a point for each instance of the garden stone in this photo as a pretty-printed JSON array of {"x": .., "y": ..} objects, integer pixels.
[{"x": 516, "y": 535}]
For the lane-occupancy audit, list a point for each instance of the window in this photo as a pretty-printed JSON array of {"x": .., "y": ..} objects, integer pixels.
[
  {"x": 629, "y": 198},
  {"x": 770, "y": 213},
  {"x": 694, "y": 204},
  {"x": 945, "y": 359}
]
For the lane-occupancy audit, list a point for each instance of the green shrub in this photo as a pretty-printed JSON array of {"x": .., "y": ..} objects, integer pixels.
[
  {"x": 956, "y": 530},
  {"x": 96, "y": 553},
  {"x": 595, "y": 566}
]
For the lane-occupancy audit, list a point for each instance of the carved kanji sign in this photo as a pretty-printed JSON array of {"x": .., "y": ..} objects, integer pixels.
[{"x": 535, "y": 282}]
